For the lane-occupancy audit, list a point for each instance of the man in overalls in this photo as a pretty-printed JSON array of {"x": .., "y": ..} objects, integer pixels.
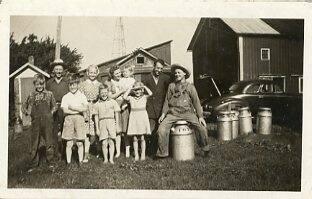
[{"x": 181, "y": 103}]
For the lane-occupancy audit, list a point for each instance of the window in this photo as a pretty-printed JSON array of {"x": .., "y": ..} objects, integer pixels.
[
  {"x": 279, "y": 80},
  {"x": 254, "y": 88},
  {"x": 140, "y": 60},
  {"x": 300, "y": 84},
  {"x": 265, "y": 54}
]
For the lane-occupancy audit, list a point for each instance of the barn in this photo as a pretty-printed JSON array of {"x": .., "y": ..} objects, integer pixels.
[
  {"x": 231, "y": 50},
  {"x": 142, "y": 58},
  {"x": 22, "y": 82}
]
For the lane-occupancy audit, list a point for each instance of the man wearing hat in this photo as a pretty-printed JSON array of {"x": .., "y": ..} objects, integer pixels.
[
  {"x": 58, "y": 85},
  {"x": 181, "y": 103}
]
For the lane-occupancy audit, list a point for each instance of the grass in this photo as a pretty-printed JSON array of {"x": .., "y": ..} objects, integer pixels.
[{"x": 254, "y": 162}]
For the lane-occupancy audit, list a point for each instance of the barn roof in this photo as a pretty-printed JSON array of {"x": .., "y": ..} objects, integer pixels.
[
  {"x": 29, "y": 65},
  {"x": 135, "y": 53},
  {"x": 240, "y": 26},
  {"x": 249, "y": 26},
  {"x": 125, "y": 56}
]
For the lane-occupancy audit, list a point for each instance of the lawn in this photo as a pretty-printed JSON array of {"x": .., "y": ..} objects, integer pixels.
[{"x": 255, "y": 162}]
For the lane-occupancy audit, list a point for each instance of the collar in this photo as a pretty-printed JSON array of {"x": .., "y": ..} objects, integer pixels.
[
  {"x": 92, "y": 82},
  {"x": 57, "y": 81},
  {"x": 44, "y": 91},
  {"x": 101, "y": 100}
]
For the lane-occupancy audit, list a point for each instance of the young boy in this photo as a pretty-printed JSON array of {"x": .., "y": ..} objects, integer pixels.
[
  {"x": 90, "y": 88},
  {"x": 74, "y": 103},
  {"x": 106, "y": 117},
  {"x": 41, "y": 105}
]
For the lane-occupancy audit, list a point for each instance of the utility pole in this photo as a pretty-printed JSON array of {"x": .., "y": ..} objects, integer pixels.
[
  {"x": 58, "y": 38},
  {"x": 119, "y": 44}
]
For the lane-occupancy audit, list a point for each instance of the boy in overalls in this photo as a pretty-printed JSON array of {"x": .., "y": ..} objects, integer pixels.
[
  {"x": 181, "y": 103},
  {"x": 41, "y": 105}
]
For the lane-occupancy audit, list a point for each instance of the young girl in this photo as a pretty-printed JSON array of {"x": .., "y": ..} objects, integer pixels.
[
  {"x": 126, "y": 82},
  {"x": 107, "y": 115},
  {"x": 90, "y": 88},
  {"x": 138, "y": 118}
]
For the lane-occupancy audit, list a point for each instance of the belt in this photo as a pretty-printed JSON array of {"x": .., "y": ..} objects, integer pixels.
[
  {"x": 74, "y": 114},
  {"x": 138, "y": 109},
  {"x": 104, "y": 118}
]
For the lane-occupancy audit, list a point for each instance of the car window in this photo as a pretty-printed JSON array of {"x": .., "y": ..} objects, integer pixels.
[
  {"x": 254, "y": 88},
  {"x": 267, "y": 88},
  {"x": 277, "y": 89}
]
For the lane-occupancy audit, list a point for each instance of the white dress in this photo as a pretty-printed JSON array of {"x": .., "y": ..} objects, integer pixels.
[{"x": 138, "y": 118}]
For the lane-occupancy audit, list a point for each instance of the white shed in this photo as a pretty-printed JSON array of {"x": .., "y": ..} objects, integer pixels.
[{"x": 23, "y": 85}]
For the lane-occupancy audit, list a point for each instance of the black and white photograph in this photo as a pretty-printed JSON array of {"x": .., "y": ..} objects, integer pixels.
[{"x": 155, "y": 103}]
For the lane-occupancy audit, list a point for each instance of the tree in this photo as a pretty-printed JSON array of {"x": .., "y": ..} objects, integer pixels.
[{"x": 43, "y": 51}]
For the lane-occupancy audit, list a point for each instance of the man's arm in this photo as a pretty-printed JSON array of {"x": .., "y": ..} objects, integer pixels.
[{"x": 196, "y": 101}]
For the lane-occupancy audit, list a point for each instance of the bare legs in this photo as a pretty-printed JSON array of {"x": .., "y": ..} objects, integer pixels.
[
  {"x": 118, "y": 142},
  {"x": 111, "y": 150},
  {"x": 136, "y": 147},
  {"x": 69, "y": 145}
]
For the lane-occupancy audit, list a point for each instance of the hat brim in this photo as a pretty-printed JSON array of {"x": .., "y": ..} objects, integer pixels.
[
  {"x": 58, "y": 63},
  {"x": 187, "y": 73}
]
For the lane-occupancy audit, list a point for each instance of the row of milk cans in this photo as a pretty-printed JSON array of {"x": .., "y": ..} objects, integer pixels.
[{"x": 231, "y": 124}]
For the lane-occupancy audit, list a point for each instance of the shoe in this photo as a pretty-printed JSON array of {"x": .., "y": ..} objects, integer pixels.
[{"x": 85, "y": 160}]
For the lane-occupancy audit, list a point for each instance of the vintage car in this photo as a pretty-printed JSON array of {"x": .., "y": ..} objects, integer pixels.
[{"x": 255, "y": 94}]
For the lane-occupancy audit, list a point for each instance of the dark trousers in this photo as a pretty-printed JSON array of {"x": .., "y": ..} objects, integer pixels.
[
  {"x": 163, "y": 131},
  {"x": 58, "y": 121},
  {"x": 42, "y": 128},
  {"x": 152, "y": 139}
]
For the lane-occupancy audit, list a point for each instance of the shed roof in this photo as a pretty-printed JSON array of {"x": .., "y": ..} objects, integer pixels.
[
  {"x": 31, "y": 66},
  {"x": 249, "y": 26}
]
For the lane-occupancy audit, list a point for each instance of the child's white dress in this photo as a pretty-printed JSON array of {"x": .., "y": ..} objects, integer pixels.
[{"x": 138, "y": 118}]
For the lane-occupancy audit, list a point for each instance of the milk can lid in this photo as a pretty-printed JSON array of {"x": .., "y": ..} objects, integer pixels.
[
  {"x": 264, "y": 108},
  {"x": 181, "y": 122}
]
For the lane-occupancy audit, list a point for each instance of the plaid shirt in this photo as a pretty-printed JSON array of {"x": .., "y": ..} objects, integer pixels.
[{"x": 35, "y": 98}]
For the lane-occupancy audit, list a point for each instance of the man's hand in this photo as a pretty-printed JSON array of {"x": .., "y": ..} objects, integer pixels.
[
  {"x": 161, "y": 118},
  {"x": 202, "y": 121}
]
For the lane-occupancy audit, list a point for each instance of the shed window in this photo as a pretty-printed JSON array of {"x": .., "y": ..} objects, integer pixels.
[
  {"x": 265, "y": 54},
  {"x": 140, "y": 60},
  {"x": 300, "y": 84}
]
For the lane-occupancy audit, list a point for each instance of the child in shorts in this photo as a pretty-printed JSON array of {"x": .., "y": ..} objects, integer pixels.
[
  {"x": 106, "y": 117},
  {"x": 41, "y": 105},
  {"x": 74, "y": 103},
  {"x": 90, "y": 88},
  {"x": 138, "y": 119}
]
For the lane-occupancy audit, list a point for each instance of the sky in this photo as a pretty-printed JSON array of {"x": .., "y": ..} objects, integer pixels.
[{"x": 93, "y": 36}]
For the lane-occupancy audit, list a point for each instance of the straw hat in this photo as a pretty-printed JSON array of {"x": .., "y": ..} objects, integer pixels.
[
  {"x": 58, "y": 62},
  {"x": 178, "y": 66}
]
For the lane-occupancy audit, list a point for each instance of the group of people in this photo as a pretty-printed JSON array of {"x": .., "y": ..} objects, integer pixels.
[{"x": 92, "y": 113}]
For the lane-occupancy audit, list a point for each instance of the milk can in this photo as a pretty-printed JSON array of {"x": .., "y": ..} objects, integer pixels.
[
  {"x": 224, "y": 126},
  {"x": 264, "y": 121},
  {"x": 234, "y": 118},
  {"x": 245, "y": 121},
  {"x": 182, "y": 141}
]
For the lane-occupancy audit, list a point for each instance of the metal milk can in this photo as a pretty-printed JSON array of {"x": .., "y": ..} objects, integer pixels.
[
  {"x": 245, "y": 121},
  {"x": 224, "y": 126},
  {"x": 182, "y": 141},
  {"x": 234, "y": 118},
  {"x": 264, "y": 121}
]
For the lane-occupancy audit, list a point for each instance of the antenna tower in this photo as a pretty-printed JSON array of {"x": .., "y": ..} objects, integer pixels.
[{"x": 119, "y": 44}]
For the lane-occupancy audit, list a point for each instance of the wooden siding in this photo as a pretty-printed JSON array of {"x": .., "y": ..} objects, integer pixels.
[
  {"x": 215, "y": 53},
  {"x": 286, "y": 58},
  {"x": 162, "y": 52}
]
